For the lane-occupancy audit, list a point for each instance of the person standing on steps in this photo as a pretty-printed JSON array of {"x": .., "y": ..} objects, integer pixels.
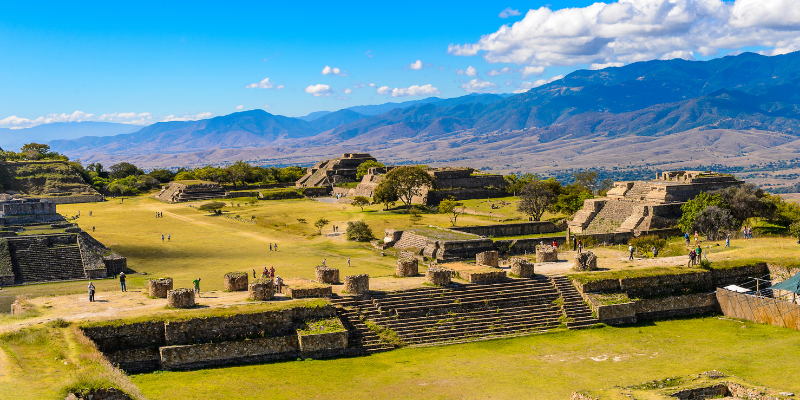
[
  {"x": 91, "y": 292},
  {"x": 122, "y": 281},
  {"x": 630, "y": 248}
]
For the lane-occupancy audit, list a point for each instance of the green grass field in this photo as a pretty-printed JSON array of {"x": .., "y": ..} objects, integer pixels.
[{"x": 546, "y": 366}]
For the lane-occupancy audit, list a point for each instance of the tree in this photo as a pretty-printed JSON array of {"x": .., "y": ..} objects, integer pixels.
[
  {"x": 516, "y": 183},
  {"x": 712, "y": 220},
  {"x": 162, "y": 175},
  {"x": 360, "y": 201},
  {"x": 364, "y": 167},
  {"x": 570, "y": 199},
  {"x": 240, "y": 171},
  {"x": 451, "y": 207},
  {"x": 124, "y": 170},
  {"x": 747, "y": 201},
  {"x": 385, "y": 194},
  {"x": 320, "y": 224},
  {"x": 691, "y": 208},
  {"x": 794, "y": 230},
  {"x": 538, "y": 196},
  {"x": 591, "y": 181},
  {"x": 36, "y": 151},
  {"x": 213, "y": 207},
  {"x": 409, "y": 181},
  {"x": 359, "y": 231},
  {"x": 290, "y": 174}
]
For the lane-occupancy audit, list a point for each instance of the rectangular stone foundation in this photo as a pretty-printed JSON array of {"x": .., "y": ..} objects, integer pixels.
[
  {"x": 303, "y": 293},
  {"x": 483, "y": 276},
  {"x": 216, "y": 354}
]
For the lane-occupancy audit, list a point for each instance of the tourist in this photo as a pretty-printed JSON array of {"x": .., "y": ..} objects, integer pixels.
[
  {"x": 655, "y": 252},
  {"x": 692, "y": 256},
  {"x": 574, "y": 243},
  {"x": 91, "y": 292},
  {"x": 169, "y": 237},
  {"x": 348, "y": 262},
  {"x": 323, "y": 263},
  {"x": 264, "y": 273},
  {"x": 275, "y": 246},
  {"x": 271, "y": 273},
  {"x": 254, "y": 273},
  {"x": 279, "y": 284},
  {"x": 728, "y": 240},
  {"x": 696, "y": 238},
  {"x": 162, "y": 238},
  {"x": 744, "y": 232},
  {"x": 270, "y": 247},
  {"x": 580, "y": 246},
  {"x": 699, "y": 252},
  {"x": 686, "y": 236},
  {"x": 197, "y": 286},
  {"x": 93, "y": 228},
  {"x": 555, "y": 244},
  {"x": 631, "y": 249},
  {"x": 122, "y": 281}
]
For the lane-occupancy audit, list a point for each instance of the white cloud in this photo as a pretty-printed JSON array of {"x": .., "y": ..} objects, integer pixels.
[
  {"x": 525, "y": 86},
  {"x": 279, "y": 87},
  {"x": 470, "y": 71},
  {"x": 371, "y": 85},
  {"x": 606, "y": 65},
  {"x": 504, "y": 70},
  {"x": 508, "y": 12},
  {"x": 333, "y": 71},
  {"x": 416, "y": 65},
  {"x": 627, "y": 31},
  {"x": 239, "y": 107},
  {"x": 479, "y": 86},
  {"x": 264, "y": 84},
  {"x": 348, "y": 91},
  {"x": 319, "y": 90},
  {"x": 132, "y": 118},
  {"x": 187, "y": 117},
  {"x": 531, "y": 70},
  {"x": 414, "y": 90}
]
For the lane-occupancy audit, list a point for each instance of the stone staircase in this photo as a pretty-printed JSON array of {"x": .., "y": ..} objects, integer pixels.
[
  {"x": 638, "y": 192},
  {"x": 410, "y": 240},
  {"x": 611, "y": 217},
  {"x": 579, "y": 315},
  {"x": 636, "y": 217},
  {"x": 464, "y": 313},
  {"x": 361, "y": 340},
  {"x": 46, "y": 258}
]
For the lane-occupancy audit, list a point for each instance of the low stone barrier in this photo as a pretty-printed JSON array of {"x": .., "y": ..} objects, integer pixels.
[
  {"x": 236, "y": 281},
  {"x": 662, "y": 307},
  {"x": 181, "y": 298},
  {"x": 483, "y": 276},
  {"x": 136, "y": 360},
  {"x": 522, "y": 268},
  {"x": 487, "y": 258},
  {"x": 438, "y": 276},
  {"x": 159, "y": 287},
  {"x": 546, "y": 253},
  {"x": 308, "y": 292},
  {"x": 585, "y": 261},
  {"x": 407, "y": 267},
  {"x": 356, "y": 284},
  {"x": 326, "y": 275},
  {"x": 261, "y": 290},
  {"x": 215, "y": 354}
]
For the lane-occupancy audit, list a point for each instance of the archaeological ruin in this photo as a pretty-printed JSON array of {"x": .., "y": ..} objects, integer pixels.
[
  {"x": 182, "y": 191},
  {"x": 329, "y": 173}
]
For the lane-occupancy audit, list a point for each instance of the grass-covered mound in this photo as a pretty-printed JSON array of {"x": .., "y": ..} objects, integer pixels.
[{"x": 42, "y": 178}]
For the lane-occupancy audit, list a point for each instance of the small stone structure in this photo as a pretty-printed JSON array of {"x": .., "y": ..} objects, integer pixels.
[
  {"x": 177, "y": 192},
  {"x": 487, "y": 258},
  {"x": 327, "y": 275},
  {"x": 181, "y": 298},
  {"x": 308, "y": 291},
  {"x": 585, "y": 261},
  {"x": 438, "y": 276},
  {"x": 487, "y": 275},
  {"x": 546, "y": 253},
  {"x": 522, "y": 268},
  {"x": 261, "y": 289},
  {"x": 356, "y": 284},
  {"x": 236, "y": 281},
  {"x": 328, "y": 173},
  {"x": 159, "y": 287},
  {"x": 407, "y": 267}
]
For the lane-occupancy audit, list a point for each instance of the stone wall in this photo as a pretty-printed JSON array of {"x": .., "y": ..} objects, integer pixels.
[
  {"x": 518, "y": 229},
  {"x": 435, "y": 197},
  {"x": 710, "y": 392},
  {"x": 159, "y": 287},
  {"x": 216, "y": 354},
  {"x": 326, "y": 275},
  {"x": 438, "y": 276},
  {"x": 127, "y": 336},
  {"x": 356, "y": 284},
  {"x": 76, "y": 199},
  {"x": 27, "y": 207},
  {"x": 323, "y": 344},
  {"x": 115, "y": 264},
  {"x": 487, "y": 258},
  {"x": 136, "y": 360},
  {"x": 656, "y": 308},
  {"x": 236, "y": 281},
  {"x": 759, "y": 309},
  {"x": 308, "y": 292},
  {"x": 99, "y": 394},
  {"x": 546, "y": 253},
  {"x": 407, "y": 267},
  {"x": 261, "y": 290}
]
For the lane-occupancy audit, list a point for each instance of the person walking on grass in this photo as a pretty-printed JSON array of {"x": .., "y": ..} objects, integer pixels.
[
  {"x": 91, "y": 292},
  {"x": 197, "y": 286},
  {"x": 169, "y": 238},
  {"x": 348, "y": 262},
  {"x": 631, "y": 249},
  {"x": 692, "y": 256},
  {"x": 271, "y": 273},
  {"x": 699, "y": 251},
  {"x": 696, "y": 238},
  {"x": 728, "y": 240},
  {"x": 122, "y": 281},
  {"x": 162, "y": 238},
  {"x": 270, "y": 247},
  {"x": 275, "y": 246},
  {"x": 686, "y": 236}
]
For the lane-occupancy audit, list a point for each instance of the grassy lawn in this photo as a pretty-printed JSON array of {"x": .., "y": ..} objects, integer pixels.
[
  {"x": 547, "y": 366},
  {"x": 506, "y": 209}
]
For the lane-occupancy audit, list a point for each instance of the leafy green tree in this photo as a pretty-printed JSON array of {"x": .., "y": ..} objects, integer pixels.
[
  {"x": 359, "y": 231},
  {"x": 591, "y": 181},
  {"x": 184, "y": 176},
  {"x": 691, "y": 208},
  {"x": 385, "y": 194},
  {"x": 516, "y": 183},
  {"x": 570, "y": 199},
  {"x": 124, "y": 170},
  {"x": 212, "y": 207},
  {"x": 794, "y": 230},
  {"x": 360, "y": 201},
  {"x": 712, "y": 221},
  {"x": 747, "y": 201},
  {"x": 408, "y": 181},
  {"x": 240, "y": 171},
  {"x": 538, "y": 196},
  {"x": 452, "y": 208},
  {"x": 364, "y": 167},
  {"x": 162, "y": 175},
  {"x": 290, "y": 174},
  {"x": 38, "y": 151},
  {"x": 321, "y": 224}
]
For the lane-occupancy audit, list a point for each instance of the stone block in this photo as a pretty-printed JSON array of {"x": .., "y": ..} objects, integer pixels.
[
  {"x": 159, "y": 287},
  {"x": 236, "y": 281},
  {"x": 356, "y": 284},
  {"x": 261, "y": 289},
  {"x": 407, "y": 267},
  {"x": 483, "y": 276},
  {"x": 585, "y": 261},
  {"x": 181, "y": 298},
  {"x": 522, "y": 268},
  {"x": 438, "y": 276},
  {"x": 326, "y": 275},
  {"x": 308, "y": 292},
  {"x": 546, "y": 253},
  {"x": 322, "y": 343},
  {"x": 487, "y": 258}
]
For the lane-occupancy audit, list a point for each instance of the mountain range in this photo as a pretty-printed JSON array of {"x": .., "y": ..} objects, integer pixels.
[{"x": 642, "y": 102}]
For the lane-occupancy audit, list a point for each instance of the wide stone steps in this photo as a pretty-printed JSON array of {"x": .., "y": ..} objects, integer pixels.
[
  {"x": 610, "y": 217},
  {"x": 33, "y": 260},
  {"x": 578, "y": 313},
  {"x": 361, "y": 340}
]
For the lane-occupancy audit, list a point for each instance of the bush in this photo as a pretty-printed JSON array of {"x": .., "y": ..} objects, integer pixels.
[
  {"x": 212, "y": 207},
  {"x": 281, "y": 194},
  {"x": 645, "y": 244},
  {"x": 359, "y": 231}
]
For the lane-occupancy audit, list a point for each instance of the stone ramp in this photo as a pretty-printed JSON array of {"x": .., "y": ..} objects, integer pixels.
[{"x": 46, "y": 258}]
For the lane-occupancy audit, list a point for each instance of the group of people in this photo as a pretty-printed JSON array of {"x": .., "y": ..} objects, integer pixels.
[
  {"x": 272, "y": 246},
  {"x": 169, "y": 238},
  {"x": 747, "y": 232},
  {"x": 159, "y": 214},
  {"x": 695, "y": 256},
  {"x": 335, "y": 228},
  {"x": 270, "y": 274},
  {"x": 577, "y": 244}
]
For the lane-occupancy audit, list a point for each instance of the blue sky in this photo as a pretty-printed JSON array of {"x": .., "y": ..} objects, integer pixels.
[{"x": 150, "y": 61}]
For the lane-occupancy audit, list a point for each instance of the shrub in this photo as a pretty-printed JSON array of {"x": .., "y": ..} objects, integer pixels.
[
  {"x": 359, "y": 231},
  {"x": 213, "y": 207},
  {"x": 645, "y": 244},
  {"x": 281, "y": 194}
]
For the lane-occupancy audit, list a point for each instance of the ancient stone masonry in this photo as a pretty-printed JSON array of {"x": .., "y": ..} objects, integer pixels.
[
  {"x": 308, "y": 291},
  {"x": 546, "y": 253},
  {"x": 487, "y": 258},
  {"x": 326, "y": 275},
  {"x": 177, "y": 192},
  {"x": 643, "y": 206},
  {"x": 236, "y": 281},
  {"x": 99, "y": 394},
  {"x": 328, "y": 173},
  {"x": 438, "y": 276},
  {"x": 585, "y": 261},
  {"x": 483, "y": 276},
  {"x": 407, "y": 267},
  {"x": 356, "y": 284},
  {"x": 522, "y": 267},
  {"x": 181, "y": 298},
  {"x": 159, "y": 287},
  {"x": 517, "y": 229},
  {"x": 261, "y": 289}
]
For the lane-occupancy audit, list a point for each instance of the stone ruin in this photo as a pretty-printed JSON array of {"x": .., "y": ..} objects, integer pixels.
[
  {"x": 585, "y": 261},
  {"x": 356, "y": 284},
  {"x": 407, "y": 267},
  {"x": 522, "y": 268},
  {"x": 326, "y": 275},
  {"x": 181, "y": 298},
  {"x": 182, "y": 191},
  {"x": 546, "y": 253},
  {"x": 438, "y": 276},
  {"x": 261, "y": 290},
  {"x": 109, "y": 393},
  {"x": 328, "y": 173},
  {"x": 236, "y": 281},
  {"x": 641, "y": 206},
  {"x": 159, "y": 288},
  {"x": 488, "y": 259}
]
